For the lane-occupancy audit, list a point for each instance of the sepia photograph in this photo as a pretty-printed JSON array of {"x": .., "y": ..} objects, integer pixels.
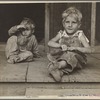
[{"x": 49, "y": 50}]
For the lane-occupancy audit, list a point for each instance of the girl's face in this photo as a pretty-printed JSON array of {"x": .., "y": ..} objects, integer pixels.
[
  {"x": 27, "y": 32},
  {"x": 71, "y": 25}
]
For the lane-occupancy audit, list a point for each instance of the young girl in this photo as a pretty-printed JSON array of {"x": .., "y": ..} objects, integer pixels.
[
  {"x": 67, "y": 48},
  {"x": 22, "y": 44}
]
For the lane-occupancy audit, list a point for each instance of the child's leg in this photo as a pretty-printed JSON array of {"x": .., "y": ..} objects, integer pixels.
[
  {"x": 23, "y": 56},
  {"x": 55, "y": 66},
  {"x": 11, "y": 49},
  {"x": 62, "y": 64},
  {"x": 12, "y": 59},
  {"x": 54, "y": 71}
]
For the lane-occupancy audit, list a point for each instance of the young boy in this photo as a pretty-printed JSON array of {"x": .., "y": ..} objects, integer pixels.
[
  {"x": 67, "y": 48},
  {"x": 22, "y": 44}
]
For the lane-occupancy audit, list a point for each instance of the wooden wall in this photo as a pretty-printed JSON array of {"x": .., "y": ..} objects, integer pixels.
[{"x": 98, "y": 22}]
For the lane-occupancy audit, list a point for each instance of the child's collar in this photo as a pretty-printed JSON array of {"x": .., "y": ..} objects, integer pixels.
[{"x": 75, "y": 34}]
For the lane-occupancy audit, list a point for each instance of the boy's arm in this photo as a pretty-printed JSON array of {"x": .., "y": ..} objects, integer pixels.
[
  {"x": 82, "y": 49},
  {"x": 54, "y": 46},
  {"x": 35, "y": 48},
  {"x": 84, "y": 40},
  {"x": 53, "y": 42},
  {"x": 55, "y": 51},
  {"x": 14, "y": 29}
]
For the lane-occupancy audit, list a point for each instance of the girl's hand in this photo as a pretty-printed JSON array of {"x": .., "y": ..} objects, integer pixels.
[{"x": 64, "y": 47}]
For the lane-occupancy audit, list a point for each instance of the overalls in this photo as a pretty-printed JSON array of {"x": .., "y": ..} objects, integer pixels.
[{"x": 74, "y": 59}]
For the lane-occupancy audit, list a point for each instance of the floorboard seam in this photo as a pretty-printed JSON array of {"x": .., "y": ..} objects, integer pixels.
[{"x": 26, "y": 72}]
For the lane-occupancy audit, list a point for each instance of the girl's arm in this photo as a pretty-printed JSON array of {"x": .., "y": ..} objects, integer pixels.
[{"x": 53, "y": 42}]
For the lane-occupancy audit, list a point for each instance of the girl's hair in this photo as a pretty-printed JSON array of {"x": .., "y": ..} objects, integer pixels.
[
  {"x": 74, "y": 11},
  {"x": 28, "y": 22}
]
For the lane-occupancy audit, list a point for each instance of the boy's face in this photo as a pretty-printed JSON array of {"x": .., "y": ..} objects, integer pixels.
[
  {"x": 71, "y": 25},
  {"x": 28, "y": 32}
]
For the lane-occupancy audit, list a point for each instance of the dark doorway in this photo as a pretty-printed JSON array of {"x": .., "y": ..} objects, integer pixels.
[
  {"x": 98, "y": 24},
  {"x": 12, "y": 14}
]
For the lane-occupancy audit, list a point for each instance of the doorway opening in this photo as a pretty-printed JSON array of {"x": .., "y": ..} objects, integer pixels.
[{"x": 12, "y": 14}]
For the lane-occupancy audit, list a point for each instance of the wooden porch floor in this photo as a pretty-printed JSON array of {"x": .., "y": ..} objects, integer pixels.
[{"x": 36, "y": 71}]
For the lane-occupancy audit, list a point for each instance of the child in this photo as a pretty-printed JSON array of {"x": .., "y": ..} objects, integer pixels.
[
  {"x": 67, "y": 48},
  {"x": 22, "y": 45}
]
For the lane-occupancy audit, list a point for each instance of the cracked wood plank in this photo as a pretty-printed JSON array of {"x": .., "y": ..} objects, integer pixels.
[{"x": 12, "y": 72}]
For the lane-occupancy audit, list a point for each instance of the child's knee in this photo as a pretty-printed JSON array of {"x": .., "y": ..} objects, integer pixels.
[
  {"x": 62, "y": 64},
  {"x": 25, "y": 55},
  {"x": 29, "y": 54}
]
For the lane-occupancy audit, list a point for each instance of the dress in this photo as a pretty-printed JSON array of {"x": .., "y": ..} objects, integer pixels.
[
  {"x": 20, "y": 48},
  {"x": 75, "y": 58}
]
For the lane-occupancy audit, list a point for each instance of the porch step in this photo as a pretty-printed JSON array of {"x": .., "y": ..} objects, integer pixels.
[
  {"x": 43, "y": 93},
  {"x": 54, "y": 89}
]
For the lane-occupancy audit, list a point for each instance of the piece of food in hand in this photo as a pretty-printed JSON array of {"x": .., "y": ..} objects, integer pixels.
[{"x": 64, "y": 47}]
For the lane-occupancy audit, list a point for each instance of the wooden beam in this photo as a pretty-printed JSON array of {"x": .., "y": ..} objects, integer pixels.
[
  {"x": 93, "y": 23},
  {"x": 47, "y": 26}
]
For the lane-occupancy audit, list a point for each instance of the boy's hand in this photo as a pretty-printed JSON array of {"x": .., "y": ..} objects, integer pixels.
[
  {"x": 64, "y": 47},
  {"x": 71, "y": 48},
  {"x": 20, "y": 26}
]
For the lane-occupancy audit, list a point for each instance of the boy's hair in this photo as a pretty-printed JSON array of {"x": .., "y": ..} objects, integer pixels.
[
  {"x": 28, "y": 22},
  {"x": 72, "y": 10}
]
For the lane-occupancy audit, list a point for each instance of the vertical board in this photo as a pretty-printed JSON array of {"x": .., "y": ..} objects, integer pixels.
[{"x": 93, "y": 23}]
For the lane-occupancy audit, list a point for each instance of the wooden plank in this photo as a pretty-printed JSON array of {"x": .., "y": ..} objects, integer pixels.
[
  {"x": 38, "y": 72},
  {"x": 84, "y": 76},
  {"x": 12, "y": 89},
  {"x": 79, "y": 77},
  {"x": 46, "y": 26},
  {"x": 12, "y": 72},
  {"x": 65, "y": 78},
  {"x": 93, "y": 23},
  {"x": 92, "y": 70},
  {"x": 61, "y": 92}
]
